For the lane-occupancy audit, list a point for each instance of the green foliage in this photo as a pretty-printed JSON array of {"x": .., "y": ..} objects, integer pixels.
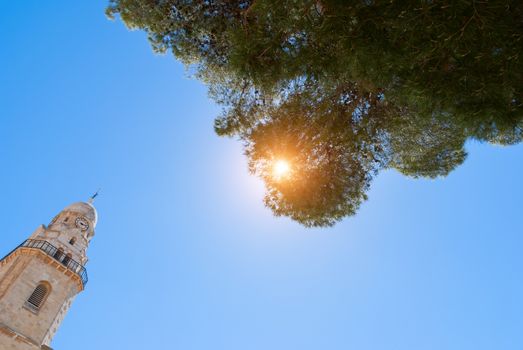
[
  {"x": 343, "y": 89},
  {"x": 331, "y": 154},
  {"x": 426, "y": 146}
]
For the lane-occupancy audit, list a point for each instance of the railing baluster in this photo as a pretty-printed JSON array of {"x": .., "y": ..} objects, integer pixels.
[{"x": 51, "y": 250}]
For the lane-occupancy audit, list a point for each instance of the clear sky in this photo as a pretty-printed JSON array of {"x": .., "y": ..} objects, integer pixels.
[{"x": 185, "y": 255}]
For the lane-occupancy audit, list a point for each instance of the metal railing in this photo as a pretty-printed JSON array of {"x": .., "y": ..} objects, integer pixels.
[{"x": 56, "y": 254}]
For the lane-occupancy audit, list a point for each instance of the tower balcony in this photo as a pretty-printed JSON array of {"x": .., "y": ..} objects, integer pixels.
[{"x": 56, "y": 254}]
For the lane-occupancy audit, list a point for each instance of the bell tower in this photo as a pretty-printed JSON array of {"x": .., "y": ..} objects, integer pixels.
[{"x": 40, "y": 278}]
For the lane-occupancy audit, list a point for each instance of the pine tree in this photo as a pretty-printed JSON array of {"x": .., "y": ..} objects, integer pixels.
[{"x": 343, "y": 89}]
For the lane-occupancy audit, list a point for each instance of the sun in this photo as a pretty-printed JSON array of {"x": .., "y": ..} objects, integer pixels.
[{"x": 281, "y": 168}]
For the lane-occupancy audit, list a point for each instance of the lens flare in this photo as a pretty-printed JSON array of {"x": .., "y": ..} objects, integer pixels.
[{"x": 281, "y": 168}]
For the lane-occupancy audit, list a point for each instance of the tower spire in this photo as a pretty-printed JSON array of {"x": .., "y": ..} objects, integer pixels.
[{"x": 91, "y": 199}]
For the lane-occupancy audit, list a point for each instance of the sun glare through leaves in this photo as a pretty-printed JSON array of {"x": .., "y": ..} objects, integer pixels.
[{"x": 281, "y": 169}]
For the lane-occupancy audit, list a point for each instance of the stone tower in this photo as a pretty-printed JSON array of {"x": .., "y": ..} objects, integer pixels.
[{"x": 40, "y": 278}]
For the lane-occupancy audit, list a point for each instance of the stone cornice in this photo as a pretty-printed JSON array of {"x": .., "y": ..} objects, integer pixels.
[
  {"x": 46, "y": 259},
  {"x": 11, "y": 333}
]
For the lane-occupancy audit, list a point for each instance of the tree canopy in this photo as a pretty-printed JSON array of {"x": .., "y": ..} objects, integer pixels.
[{"x": 344, "y": 89}]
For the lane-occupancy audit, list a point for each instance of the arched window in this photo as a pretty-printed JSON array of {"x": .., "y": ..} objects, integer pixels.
[
  {"x": 67, "y": 259},
  {"x": 58, "y": 254},
  {"x": 37, "y": 298},
  {"x": 72, "y": 241}
]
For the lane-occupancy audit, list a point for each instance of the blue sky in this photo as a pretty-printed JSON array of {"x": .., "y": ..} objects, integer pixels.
[{"x": 186, "y": 256}]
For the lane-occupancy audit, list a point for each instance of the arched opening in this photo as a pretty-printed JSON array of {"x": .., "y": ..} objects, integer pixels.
[
  {"x": 72, "y": 241},
  {"x": 59, "y": 253},
  {"x": 67, "y": 258},
  {"x": 37, "y": 299}
]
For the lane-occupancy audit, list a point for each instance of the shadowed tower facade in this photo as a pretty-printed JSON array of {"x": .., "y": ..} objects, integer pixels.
[{"x": 40, "y": 278}]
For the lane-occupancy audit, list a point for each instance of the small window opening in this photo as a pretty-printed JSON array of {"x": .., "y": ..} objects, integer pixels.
[
  {"x": 37, "y": 298},
  {"x": 67, "y": 259},
  {"x": 59, "y": 253},
  {"x": 72, "y": 241},
  {"x": 66, "y": 219}
]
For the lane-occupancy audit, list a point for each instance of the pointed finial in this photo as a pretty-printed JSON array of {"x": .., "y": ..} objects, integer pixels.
[{"x": 91, "y": 199}]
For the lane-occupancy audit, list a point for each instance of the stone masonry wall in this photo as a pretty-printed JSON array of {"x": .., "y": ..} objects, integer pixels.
[{"x": 22, "y": 275}]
